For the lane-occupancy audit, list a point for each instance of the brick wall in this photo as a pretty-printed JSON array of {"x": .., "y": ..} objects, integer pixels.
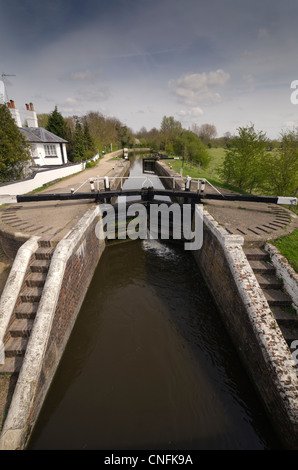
[{"x": 78, "y": 273}]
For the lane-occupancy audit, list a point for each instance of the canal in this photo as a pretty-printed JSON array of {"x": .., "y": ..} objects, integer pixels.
[{"x": 149, "y": 364}]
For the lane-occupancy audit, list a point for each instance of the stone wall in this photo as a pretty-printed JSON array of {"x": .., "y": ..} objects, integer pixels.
[
  {"x": 251, "y": 326},
  {"x": 285, "y": 272},
  {"x": 78, "y": 274},
  {"x": 71, "y": 270}
]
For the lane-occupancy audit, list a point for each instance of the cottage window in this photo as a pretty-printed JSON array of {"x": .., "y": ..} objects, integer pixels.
[{"x": 50, "y": 150}]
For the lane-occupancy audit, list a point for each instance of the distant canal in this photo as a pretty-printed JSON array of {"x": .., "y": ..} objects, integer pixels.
[{"x": 149, "y": 364}]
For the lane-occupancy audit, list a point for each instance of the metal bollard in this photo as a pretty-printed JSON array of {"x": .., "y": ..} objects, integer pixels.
[
  {"x": 107, "y": 183},
  {"x": 187, "y": 184},
  {"x": 107, "y": 188},
  {"x": 92, "y": 186},
  {"x": 202, "y": 186}
]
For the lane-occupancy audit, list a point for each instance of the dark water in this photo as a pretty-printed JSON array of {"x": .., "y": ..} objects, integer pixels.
[{"x": 149, "y": 364}]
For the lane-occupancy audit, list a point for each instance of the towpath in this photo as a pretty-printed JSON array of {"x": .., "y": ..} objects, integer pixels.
[{"x": 53, "y": 219}]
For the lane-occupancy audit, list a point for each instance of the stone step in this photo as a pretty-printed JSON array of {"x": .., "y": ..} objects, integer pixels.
[
  {"x": 40, "y": 266},
  {"x": 256, "y": 254},
  {"x": 31, "y": 294},
  {"x": 21, "y": 328},
  {"x": 26, "y": 310},
  {"x": 44, "y": 253},
  {"x": 268, "y": 281},
  {"x": 262, "y": 267},
  {"x": 12, "y": 365},
  {"x": 15, "y": 347},
  {"x": 47, "y": 242},
  {"x": 277, "y": 297},
  {"x": 36, "y": 279},
  {"x": 284, "y": 318}
]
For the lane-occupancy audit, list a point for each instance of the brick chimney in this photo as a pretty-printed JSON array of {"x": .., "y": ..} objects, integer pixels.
[
  {"x": 31, "y": 116},
  {"x": 15, "y": 113}
]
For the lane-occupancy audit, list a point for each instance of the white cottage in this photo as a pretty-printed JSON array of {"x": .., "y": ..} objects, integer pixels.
[{"x": 47, "y": 149}]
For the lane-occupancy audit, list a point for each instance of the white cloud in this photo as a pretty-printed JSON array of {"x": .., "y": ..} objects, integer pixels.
[
  {"x": 84, "y": 76},
  {"x": 71, "y": 101},
  {"x": 194, "y": 112},
  {"x": 69, "y": 105},
  {"x": 76, "y": 104},
  {"x": 196, "y": 88},
  {"x": 101, "y": 94}
]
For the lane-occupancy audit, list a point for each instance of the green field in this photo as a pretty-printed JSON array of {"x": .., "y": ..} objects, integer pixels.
[
  {"x": 210, "y": 173},
  {"x": 217, "y": 158}
]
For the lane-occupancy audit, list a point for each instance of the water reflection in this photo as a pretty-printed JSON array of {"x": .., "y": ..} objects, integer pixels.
[{"x": 149, "y": 365}]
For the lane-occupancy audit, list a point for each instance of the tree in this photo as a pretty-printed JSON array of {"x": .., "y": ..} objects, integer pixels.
[
  {"x": 14, "y": 150},
  {"x": 170, "y": 130},
  {"x": 206, "y": 132},
  {"x": 142, "y": 132},
  {"x": 43, "y": 120},
  {"x": 125, "y": 136},
  {"x": 227, "y": 137},
  {"x": 78, "y": 143},
  {"x": 191, "y": 148},
  {"x": 88, "y": 140},
  {"x": 56, "y": 124},
  {"x": 70, "y": 125},
  {"x": 243, "y": 158},
  {"x": 280, "y": 166}
]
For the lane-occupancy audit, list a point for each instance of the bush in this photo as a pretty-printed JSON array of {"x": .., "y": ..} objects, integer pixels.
[
  {"x": 243, "y": 159},
  {"x": 90, "y": 164}
]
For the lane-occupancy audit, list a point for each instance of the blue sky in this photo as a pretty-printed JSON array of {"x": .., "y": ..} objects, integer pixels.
[{"x": 228, "y": 63}]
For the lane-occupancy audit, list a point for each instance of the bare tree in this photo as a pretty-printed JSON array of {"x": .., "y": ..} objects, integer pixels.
[{"x": 206, "y": 132}]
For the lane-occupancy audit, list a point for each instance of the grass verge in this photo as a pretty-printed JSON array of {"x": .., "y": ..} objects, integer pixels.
[
  {"x": 288, "y": 247},
  {"x": 211, "y": 173}
]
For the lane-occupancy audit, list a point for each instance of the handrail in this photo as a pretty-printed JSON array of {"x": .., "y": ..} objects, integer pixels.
[{"x": 187, "y": 179}]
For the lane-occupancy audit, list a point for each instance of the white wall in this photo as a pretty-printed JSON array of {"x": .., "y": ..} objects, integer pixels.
[
  {"x": 38, "y": 153},
  {"x": 40, "y": 178},
  {"x": 9, "y": 191},
  {"x": 16, "y": 116}
]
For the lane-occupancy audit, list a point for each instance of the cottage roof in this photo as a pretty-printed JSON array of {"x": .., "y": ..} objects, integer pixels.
[{"x": 41, "y": 135}]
